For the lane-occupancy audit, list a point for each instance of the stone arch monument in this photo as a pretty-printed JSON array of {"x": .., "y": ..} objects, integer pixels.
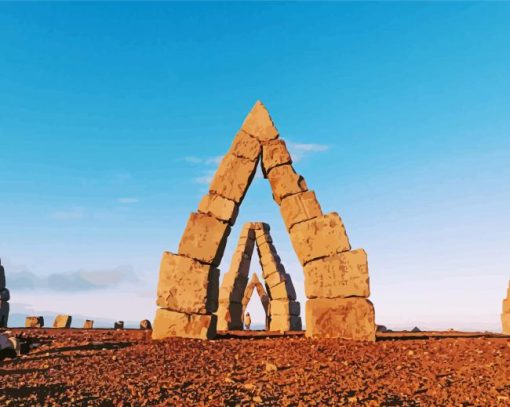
[
  {"x": 282, "y": 309},
  {"x": 336, "y": 278}
]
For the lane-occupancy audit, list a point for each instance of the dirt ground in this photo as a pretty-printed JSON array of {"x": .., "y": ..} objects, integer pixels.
[{"x": 107, "y": 367}]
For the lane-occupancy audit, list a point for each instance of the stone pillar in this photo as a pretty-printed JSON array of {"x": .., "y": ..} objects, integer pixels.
[
  {"x": 505, "y": 315},
  {"x": 336, "y": 279},
  {"x": 62, "y": 321},
  {"x": 188, "y": 288},
  {"x": 5, "y": 296}
]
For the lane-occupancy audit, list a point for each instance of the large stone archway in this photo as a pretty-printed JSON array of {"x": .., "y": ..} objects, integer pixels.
[
  {"x": 282, "y": 308},
  {"x": 336, "y": 278}
]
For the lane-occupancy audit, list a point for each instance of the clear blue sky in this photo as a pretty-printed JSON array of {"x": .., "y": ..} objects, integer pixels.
[{"x": 112, "y": 116}]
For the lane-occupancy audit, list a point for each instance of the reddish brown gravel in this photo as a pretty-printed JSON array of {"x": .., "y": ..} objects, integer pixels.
[{"x": 106, "y": 367}]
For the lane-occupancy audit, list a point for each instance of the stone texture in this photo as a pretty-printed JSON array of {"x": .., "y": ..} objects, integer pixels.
[
  {"x": 274, "y": 279},
  {"x": 285, "y": 182},
  {"x": 204, "y": 238},
  {"x": 505, "y": 316},
  {"x": 348, "y": 318},
  {"x": 118, "y": 325},
  {"x": 274, "y": 153},
  {"x": 279, "y": 292},
  {"x": 245, "y": 146},
  {"x": 233, "y": 177},
  {"x": 230, "y": 316},
  {"x": 5, "y": 295},
  {"x": 221, "y": 208},
  {"x": 505, "y": 322},
  {"x": 34, "y": 322},
  {"x": 285, "y": 323},
  {"x": 186, "y": 285},
  {"x": 319, "y": 237},
  {"x": 340, "y": 275},
  {"x": 259, "y": 124},
  {"x": 4, "y": 314},
  {"x": 62, "y": 321},
  {"x": 88, "y": 324},
  {"x": 299, "y": 208},
  {"x": 171, "y": 323},
  {"x": 145, "y": 324},
  {"x": 285, "y": 307},
  {"x": 2, "y": 277}
]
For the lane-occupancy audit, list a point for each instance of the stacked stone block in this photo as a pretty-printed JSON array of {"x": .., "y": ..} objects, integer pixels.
[
  {"x": 282, "y": 310},
  {"x": 188, "y": 288},
  {"x": 5, "y": 296},
  {"x": 231, "y": 294},
  {"x": 336, "y": 278},
  {"x": 505, "y": 315},
  {"x": 88, "y": 324}
]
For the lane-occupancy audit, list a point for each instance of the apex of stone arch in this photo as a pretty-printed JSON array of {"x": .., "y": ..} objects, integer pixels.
[{"x": 259, "y": 124}]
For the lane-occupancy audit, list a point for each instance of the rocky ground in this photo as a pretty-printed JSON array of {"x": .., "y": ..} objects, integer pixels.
[{"x": 106, "y": 367}]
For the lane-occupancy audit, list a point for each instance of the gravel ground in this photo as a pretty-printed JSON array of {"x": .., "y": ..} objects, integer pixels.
[{"x": 106, "y": 367}]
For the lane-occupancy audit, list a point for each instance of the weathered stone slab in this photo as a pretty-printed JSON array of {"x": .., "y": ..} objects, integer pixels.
[
  {"x": 187, "y": 285},
  {"x": 258, "y": 226},
  {"x": 299, "y": 208},
  {"x": 270, "y": 266},
  {"x": 505, "y": 321},
  {"x": 233, "y": 292},
  {"x": 233, "y": 177},
  {"x": 171, "y": 323},
  {"x": 291, "y": 292},
  {"x": 285, "y": 307},
  {"x": 221, "y": 208},
  {"x": 285, "y": 182},
  {"x": 4, "y": 314},
  {"x": 247, "y": 233},
  {"x": 259, "y": 124},
  {"x": 319, "y": 237},
  {"x": 2, "y": 277},
  {"x": 340, "y": 275},
  {"x": 62, "y": 321},
  {"x": 118, "y": 325},
  {"x": 245, "y": 146},
  {"x": 204, "y": 238},
  {"x": 274, "y": 279},
  {"x": 274, "y": 153},
  {"x": 285, "y": 323},
  {"x": 266, "y": 252},
  {"x": 88, "y": 324},
  {"x": 34, "y": 322},
  {"x": 145, "y": 324},
  {"x": 281, "y": 292},
  {"x": 348, "y": 318}
]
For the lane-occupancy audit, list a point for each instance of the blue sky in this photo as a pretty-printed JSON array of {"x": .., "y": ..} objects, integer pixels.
[{"x": 113, "y": 116}]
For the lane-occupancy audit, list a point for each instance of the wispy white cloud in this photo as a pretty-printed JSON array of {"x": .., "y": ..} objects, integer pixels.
[
  {"x": 299, "y": 150},
  {"x": 215, "y": 160},
  {"x": 209, "y": 165},
  {"x": 127, "y": 200},
  {"x": 79, "y": 280},
  {"x": 76, "y": 212},
  {"x": 205, "y": 178}
]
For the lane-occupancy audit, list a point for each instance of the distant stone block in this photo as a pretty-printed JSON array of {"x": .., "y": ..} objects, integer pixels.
[
  {"x": 118, "y": 325},
  {"x": 88, "y": 324},
  {"x": 34, "y": 322},
  {"x": 145, "y": 324},
  {"x": 62, "y": 321}
]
